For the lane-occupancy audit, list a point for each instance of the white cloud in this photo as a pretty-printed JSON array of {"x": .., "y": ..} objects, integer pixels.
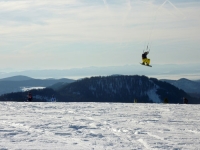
[{"x": 60, "y": 20}]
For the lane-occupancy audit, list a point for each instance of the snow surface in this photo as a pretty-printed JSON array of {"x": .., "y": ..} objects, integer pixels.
[
  {"x": 99, "y": 126},
  {"x": 154, "y": 96}
]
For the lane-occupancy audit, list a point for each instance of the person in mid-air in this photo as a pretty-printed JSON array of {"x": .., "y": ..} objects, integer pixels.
[
  {"x": 145, "y": 60},
  {"x": 29, "y": 96}
]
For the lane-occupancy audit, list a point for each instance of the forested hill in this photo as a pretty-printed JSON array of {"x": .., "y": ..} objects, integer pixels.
[
  {"x": 122, "y": 89},
  {"x": 111, "y": 89}
]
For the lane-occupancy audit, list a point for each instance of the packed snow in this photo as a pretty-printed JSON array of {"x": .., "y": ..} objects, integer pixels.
[
  {"x": 154, "y": 96},
  {"x": 99, "y": 126}
]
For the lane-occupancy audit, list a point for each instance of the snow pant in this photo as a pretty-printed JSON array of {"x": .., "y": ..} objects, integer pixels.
[{"x": 146, "y": 60}]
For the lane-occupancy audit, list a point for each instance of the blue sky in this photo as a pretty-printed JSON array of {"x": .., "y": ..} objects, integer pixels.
[{"x": 66, "y": 34}]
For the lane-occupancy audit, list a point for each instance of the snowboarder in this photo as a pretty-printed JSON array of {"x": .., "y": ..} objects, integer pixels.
[
  {"x": 145, "y": 60},
  {"x": 29, "y": 96}
]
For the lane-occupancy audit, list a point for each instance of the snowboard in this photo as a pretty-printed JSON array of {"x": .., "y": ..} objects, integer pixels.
[{"x": 146, "y": 65}]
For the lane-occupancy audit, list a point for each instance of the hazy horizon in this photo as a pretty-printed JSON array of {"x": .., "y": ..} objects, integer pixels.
[{"x": 170, "y": 71}]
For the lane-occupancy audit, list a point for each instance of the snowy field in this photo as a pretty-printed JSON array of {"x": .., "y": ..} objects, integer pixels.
[{"x": 99, "y": 126}]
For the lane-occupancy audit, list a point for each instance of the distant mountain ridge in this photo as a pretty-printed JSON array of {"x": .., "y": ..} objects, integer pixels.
[
  {"x": 16, "y": 83},
  {"x": 188, "y": 86},
  {"x": 165, "y": 70},
  {"x": 110, "y": 89},
  {"x": 17, "y": 78}
]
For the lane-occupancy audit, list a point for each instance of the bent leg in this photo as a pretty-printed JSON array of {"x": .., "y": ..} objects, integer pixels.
[
  {"x": 148, "y": 61},
  {"x": 143, "y": 61}
]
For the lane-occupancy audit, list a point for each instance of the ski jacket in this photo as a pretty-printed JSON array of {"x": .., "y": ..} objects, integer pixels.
[{"x": 144, "y": 55}]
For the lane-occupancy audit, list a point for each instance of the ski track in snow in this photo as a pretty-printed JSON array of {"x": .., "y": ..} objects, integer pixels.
[{"x": 96, "y": 126}]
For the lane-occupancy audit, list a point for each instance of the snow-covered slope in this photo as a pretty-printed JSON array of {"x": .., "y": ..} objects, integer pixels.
[{"x": 99, "y": 126}]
